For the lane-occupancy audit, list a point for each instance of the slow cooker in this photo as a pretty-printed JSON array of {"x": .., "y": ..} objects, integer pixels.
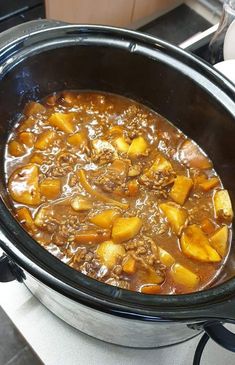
[{"x": 41, "y": 57}]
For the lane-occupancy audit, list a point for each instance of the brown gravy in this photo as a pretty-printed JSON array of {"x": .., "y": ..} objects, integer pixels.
[{"x": 118, "y": 193}]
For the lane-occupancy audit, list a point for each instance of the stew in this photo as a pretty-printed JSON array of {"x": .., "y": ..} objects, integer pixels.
[{"x": 117, "y": 192}]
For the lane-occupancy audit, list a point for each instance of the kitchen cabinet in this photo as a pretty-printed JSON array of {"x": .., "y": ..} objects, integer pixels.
[{"x": 123, "y": 13}]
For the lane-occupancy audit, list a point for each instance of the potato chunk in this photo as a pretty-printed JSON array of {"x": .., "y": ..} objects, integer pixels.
[
  {"x": 134, "y": 170},
  {"x": 209, "y": 184},
  {"x": 109, "y": 252},
  {"x": 138, "y": 147},
  {"x": 78, "y": 139},
  {"x": 161, "y": 164},
  {"x": 27, "y": 138},
  {"x": 121, "y": 144},
  {"x": 192, "y": 156},
  {"x": 196, "y": 245},
  {"x": 37, "y": 158},
  {"x": 62, "y": 121},
  {"x": 79, "y": 203},
  {"x": 125, "y": 228},
  {"x": 90, "y": 237},
  {"x": 129, "y": 265},
  {"x": 23, "y": 185},
  {"x": 149, "y": 276},
  {"x": 42, "y": 215},
  {"x": 50, "y": 188},
  {"x": 120, "y": 167},
  {"x": 26, "y": 124},
  {"x": 181, "y": 189},
  {"x": 182, "y": 275},
  {"x": 161, "y": 167},
  {"x": 25, "y": 217},
  {"x": 16, "y": 149},
  {"x": 219, "y": 240},
  {"x": 165, "y": 257},
  {"x": 176, "y": 216},
  {"x": 34, "y": 108},
  {"x": 223, "y": 206},
  {"x": 45, "y": 139},
  {"x": 115, "y": 130},
  {"x": 105, "y": 219}
]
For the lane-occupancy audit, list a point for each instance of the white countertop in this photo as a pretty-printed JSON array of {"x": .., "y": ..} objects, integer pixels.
[{"x": 56, "y": 343}]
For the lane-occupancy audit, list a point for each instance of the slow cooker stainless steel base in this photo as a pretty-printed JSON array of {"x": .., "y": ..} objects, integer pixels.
[{"x": 108, "y": 327}]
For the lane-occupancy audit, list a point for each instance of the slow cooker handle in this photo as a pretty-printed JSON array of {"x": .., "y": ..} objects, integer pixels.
[{"x": 9, "y": 271}]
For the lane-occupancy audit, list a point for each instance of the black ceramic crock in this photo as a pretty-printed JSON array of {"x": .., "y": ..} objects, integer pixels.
[{"x": 41, "y": 57}]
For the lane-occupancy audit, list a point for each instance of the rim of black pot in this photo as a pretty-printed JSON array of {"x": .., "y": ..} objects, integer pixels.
[{"x": 51, "y": 271}]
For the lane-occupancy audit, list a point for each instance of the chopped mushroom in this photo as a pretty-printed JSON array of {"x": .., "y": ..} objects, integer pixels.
[{"x": 23, "y": 185}]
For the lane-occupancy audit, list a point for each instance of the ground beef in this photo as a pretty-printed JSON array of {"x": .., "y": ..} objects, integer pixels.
[
  {"x": 66, "y": 230},
  {"x": 103, "y": 157},
  {"x": 160, "y": 182},
  {"x": 109, "y": 179}
]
